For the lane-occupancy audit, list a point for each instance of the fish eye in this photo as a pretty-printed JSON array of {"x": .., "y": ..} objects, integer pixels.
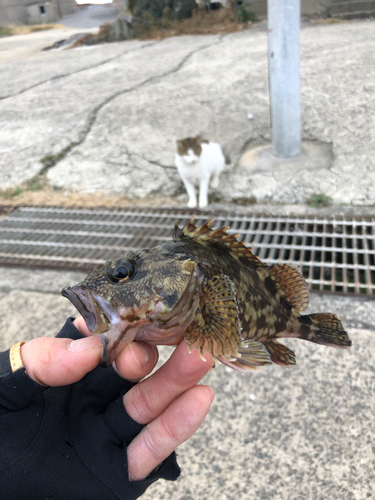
[{"x": 120, "y": 272}]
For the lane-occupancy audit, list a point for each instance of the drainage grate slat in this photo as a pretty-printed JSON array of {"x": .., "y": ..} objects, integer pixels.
[{"x": 336, "y": 255}]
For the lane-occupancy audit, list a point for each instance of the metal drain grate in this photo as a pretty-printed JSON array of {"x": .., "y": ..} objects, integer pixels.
[{"x": 335, "y": 255}]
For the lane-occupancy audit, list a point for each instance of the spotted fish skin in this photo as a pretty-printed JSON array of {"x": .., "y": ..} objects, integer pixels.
[{"x": 209, "y": 288}]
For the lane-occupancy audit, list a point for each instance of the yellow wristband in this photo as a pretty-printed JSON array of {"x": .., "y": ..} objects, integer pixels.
[{"x": 15, "y": 357}]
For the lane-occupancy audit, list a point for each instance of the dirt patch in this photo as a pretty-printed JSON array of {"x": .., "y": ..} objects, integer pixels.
[
  {"x": 202, "y": 22},
  {"x": 26, "y": 30},
  {"x": 49, "y": 197},
  {"x": 330, "y": 20}
]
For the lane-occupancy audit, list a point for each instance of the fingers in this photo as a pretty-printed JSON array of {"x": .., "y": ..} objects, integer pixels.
[
  {"x": 135, "y": 362},
  {"x": 177, "y": 424},
  {"x": 80, "y": 324},
  {"x": 57, "y": 362},
  {"x": 148, "y": 399}
]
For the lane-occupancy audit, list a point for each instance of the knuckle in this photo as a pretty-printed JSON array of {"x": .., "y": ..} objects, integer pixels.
[{"x": 141, "y": 407}]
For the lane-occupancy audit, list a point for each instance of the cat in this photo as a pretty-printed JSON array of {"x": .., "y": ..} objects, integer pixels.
[{"x": 198, "y": 161}]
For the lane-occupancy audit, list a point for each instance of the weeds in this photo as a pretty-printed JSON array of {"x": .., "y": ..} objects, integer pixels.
[
  {"x": 16, "y": 192},
  {"x": 6, "y": 31},
  {"x": 319, "y": 200},
  {"x": 245, "y": 16},
  {"x": 51, "y": 160},
  {"x": 6, "y": 194},
  {"x": 25, "y": 30},
  {"x": 224, "y": 20},
  {"x": 36, "y": 183}
]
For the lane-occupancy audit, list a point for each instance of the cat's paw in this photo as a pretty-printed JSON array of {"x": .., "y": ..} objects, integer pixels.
[
  {"x": 203, "y": 204},
  {"x": 192, "y": 203}
]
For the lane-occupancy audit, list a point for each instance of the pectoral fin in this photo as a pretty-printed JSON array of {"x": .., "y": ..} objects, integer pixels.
[{"x": 216, "y": 326}]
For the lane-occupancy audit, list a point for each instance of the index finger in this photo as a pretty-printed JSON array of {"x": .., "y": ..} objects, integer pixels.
[
  {"x": 150, "y": 398},
  {"x": 137, "y": 360}
]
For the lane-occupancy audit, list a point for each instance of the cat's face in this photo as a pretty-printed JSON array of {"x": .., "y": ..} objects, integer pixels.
[{"x": 189, "y": 149}]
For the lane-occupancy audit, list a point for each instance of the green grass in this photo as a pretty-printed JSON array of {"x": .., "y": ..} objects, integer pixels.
[
  {"x": 244, "y": 16},
  {"x": 6, "y": 31},
  {"x": 16, "y": 192},
  {"x": 51, "y": 160},
  {"x": 319, "y": 200},
  {"x": 35, "y": 183}
]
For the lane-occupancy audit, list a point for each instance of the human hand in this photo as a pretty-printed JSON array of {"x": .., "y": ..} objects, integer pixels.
[{"x": 169, "y": 401}]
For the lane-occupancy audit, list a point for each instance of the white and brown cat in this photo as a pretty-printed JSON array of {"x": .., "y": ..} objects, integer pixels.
[{"x": 198, "y": 161}]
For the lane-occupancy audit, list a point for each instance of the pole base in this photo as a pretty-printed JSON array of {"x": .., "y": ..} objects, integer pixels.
[{"x": 261, "y": 159}]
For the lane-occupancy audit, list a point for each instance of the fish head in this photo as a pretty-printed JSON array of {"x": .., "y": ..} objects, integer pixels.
[{"x": 151, "y": 295}]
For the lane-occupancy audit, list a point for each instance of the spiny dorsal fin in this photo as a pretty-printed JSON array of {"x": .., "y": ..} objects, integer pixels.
[
  {"x": 216, "y": 326},
  {"x": 205, "y": 235},
  {"x": 288, "y": 279}
]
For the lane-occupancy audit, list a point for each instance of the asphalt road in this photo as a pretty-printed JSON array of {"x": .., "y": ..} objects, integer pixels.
[{"x": 89, "y": 17}]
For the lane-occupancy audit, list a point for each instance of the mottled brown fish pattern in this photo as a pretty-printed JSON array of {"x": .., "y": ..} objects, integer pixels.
[{"x": 209, "y": 288}]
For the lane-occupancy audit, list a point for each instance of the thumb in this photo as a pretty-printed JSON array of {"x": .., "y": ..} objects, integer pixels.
[{"x": 55, "y": 362}]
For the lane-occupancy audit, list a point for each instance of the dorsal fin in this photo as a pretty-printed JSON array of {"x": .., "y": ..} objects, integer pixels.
[
  {"x": 288, "y": 279},
  {"x": 205, "y": 235}
]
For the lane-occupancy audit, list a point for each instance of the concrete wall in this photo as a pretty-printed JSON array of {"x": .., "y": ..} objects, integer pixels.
[
  {"x": 65, "y": 7},
  {"x": 21, "y": 12},
  {"x": 12, "y": 12},
  {"x": 333, "y": 8},
  {"x": 40, "y": 13}
]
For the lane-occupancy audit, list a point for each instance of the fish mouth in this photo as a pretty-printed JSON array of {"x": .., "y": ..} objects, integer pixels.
[{"x": 84, "y": 301}]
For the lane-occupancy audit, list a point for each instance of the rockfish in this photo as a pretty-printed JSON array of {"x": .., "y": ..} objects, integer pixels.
[{"x": 208, "y": 288}]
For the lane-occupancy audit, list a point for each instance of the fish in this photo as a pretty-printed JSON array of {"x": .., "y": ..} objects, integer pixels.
[{"x": 207, "y": 287}]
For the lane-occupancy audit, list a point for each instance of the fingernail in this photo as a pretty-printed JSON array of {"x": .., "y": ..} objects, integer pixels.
[
  {"x": 140, "y": 354},
  {"x": 85, "y": 344},
  {"x": 212, "y": 391}
]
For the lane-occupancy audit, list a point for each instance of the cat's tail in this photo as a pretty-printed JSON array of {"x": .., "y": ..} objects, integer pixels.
[{"x": 227, "y": 158}]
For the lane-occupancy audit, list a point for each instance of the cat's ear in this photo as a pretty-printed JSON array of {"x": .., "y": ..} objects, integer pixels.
[{"x": 200, "y": 140}]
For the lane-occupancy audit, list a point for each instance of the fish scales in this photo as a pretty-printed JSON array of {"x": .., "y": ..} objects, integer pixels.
[
  {"x": 209, "y": 288},
  {"x": 259, "y": 307}
]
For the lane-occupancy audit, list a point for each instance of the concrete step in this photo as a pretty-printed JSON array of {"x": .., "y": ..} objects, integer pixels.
[{"x": 353, "y": 9}]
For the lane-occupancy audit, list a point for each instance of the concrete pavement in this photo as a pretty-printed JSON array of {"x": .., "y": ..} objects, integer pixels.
[
  {"x": 110, "y": 114},
  {"x": 90, "y": 16},
  {"x": 304, "y": 433}
]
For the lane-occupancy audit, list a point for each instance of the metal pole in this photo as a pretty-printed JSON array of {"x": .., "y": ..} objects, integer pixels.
[
  {"x": 284, "y": 80},
  {"x": 59, "y": 16}
]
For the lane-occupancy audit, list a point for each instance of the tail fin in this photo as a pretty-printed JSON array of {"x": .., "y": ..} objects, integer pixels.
[{"x": 325, "y": 329}]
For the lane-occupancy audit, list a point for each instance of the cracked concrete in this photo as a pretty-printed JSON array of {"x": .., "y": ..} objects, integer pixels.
[
  {"x": 55, "y": 66},
  {"x": 69, "y": 124},
  {"x": 118, "y": 109},
  {"x": 134, "y": 175}
]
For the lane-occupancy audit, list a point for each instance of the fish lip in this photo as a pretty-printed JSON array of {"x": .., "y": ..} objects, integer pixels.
[{"x": 84, "y": 301}]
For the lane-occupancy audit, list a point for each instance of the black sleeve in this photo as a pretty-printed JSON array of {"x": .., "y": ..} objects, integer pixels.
[{"x": 69, "y": 442}]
